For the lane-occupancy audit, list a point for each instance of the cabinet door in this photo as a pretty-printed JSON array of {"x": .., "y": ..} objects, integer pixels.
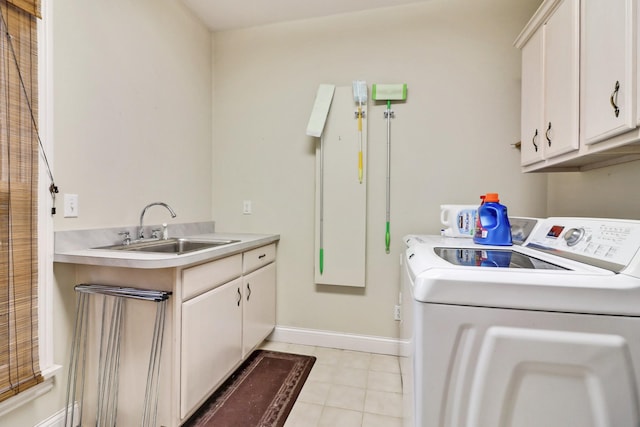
[
  {"x": 607, "y": 73},
  {"x": 259, "y": 311},
  {"x": 561, "y": 85},
  {"x": 532, "y": 134},
  {"x": 211, "y": 342}
]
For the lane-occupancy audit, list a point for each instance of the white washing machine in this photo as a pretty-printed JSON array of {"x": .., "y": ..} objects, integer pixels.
[{"x": 541, "y": 334}]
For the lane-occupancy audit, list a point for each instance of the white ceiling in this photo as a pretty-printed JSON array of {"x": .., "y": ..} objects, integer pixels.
[{"x": 231, "y": 14}]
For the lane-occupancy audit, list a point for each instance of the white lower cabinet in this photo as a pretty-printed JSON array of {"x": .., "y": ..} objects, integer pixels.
[
  {"x": 259, "y": 311},
  {"x": 223, "y": 324},
  {"x": 211, "y": 341},
  {"x": 219, "y": 311}
]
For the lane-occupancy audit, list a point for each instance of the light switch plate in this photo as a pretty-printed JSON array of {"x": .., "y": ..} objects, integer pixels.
[
  {"x": 70, "y": 205},
  {"x": 246, "y": 207}
]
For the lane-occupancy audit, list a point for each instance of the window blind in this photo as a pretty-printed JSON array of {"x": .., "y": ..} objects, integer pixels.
[
  {"x": 32, "y": 7},
  {"x": 19, "y": 364}
]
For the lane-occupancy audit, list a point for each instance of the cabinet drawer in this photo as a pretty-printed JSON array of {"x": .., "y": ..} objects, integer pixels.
[
  {"x": 201, "y": 278},
  {"x": 258, "y": 257}
]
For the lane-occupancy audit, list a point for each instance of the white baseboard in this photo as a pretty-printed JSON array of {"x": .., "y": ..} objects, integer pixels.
[
  {"x": 370, "y": 344},
  {"x": 57, "y": 419}
]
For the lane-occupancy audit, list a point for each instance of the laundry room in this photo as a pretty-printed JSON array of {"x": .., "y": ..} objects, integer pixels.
[{"x": 204, "y": 115}]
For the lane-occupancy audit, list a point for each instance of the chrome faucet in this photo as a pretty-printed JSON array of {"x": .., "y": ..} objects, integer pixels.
[{"x": 141, "y": 229}]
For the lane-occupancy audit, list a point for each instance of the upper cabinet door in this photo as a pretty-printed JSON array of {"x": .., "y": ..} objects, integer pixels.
[
  {"x": 532, "y": 134},
  {"x": 608, "y": 68},
  {"x": 561, "y": 74}
]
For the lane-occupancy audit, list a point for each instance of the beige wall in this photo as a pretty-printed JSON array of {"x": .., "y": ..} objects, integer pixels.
[
  {"x": 451, "y": 140},
  {"x": 132, "y": 104},
  {"x": 132, "y": 113},
  {"x": 610, "y": 192}
]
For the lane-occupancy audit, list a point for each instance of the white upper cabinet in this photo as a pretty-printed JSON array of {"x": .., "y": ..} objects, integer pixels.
[
  {"x": 561, "y": 79},
  {"x": 579, "y": 85},
  {"x": 550, "y": 82},
  {"x": 608, "y": 67},
  {"x": 532, "y": 117}
]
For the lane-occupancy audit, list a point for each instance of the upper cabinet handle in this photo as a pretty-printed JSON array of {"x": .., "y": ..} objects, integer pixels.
[
  {"x": 534, "y": 139},
  {"x": 614, "y": 99},
  {"x": 546, "y": 134}
]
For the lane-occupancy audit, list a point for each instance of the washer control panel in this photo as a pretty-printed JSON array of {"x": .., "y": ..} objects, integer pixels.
[{"x": 594, "y": 241}]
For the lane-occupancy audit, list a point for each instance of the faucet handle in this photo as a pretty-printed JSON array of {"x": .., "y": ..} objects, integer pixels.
[
  {"x": 127, "y": 237},
  {"x": 154, "y": 233}
]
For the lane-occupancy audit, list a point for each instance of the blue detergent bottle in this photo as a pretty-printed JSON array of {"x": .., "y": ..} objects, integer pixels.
[{"x": 496, "y": 229}]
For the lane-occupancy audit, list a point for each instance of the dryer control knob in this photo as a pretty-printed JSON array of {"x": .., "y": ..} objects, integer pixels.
[{"x": 573, "y": 236}]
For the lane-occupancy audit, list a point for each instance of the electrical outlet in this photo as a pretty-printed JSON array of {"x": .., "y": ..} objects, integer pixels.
[
  {"x": 246, "y": 207},
  {"x": 70, "y": 205},
  {"x": 396, "y": 312}
]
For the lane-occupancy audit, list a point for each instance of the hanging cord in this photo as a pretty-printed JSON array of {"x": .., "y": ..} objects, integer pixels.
[{"x": 53, "y": 188}]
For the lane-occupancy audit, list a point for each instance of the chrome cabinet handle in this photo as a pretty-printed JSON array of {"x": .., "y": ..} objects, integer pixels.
[
  {"x": 546, "y": 134},
  {"x": 239, "y": 297},
  {"x": 614, "y": 99},
  {"x": 534, "y": 139},
  {"x": 248, "y": 291}
]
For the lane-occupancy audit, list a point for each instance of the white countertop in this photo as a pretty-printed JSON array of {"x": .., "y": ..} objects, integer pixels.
[{"x": 147, "y": 260}]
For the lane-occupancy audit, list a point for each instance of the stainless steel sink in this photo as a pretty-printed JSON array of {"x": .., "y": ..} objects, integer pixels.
[{"x": 170, "y": 246}]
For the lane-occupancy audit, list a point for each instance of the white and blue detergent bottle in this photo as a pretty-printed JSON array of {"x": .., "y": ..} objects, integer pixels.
[{"x": 459, "y": 220}]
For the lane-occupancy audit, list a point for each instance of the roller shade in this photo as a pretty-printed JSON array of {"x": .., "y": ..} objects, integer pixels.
[
  {"x": 32, "y": 7},
  {"x": 19, "y": 362}
]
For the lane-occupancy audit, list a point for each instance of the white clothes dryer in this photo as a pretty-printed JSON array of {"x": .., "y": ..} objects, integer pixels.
[{"x": 546, "y": 333}]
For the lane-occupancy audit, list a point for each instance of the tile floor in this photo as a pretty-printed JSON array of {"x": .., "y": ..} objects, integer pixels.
[{"x": 346, "y": 389}]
